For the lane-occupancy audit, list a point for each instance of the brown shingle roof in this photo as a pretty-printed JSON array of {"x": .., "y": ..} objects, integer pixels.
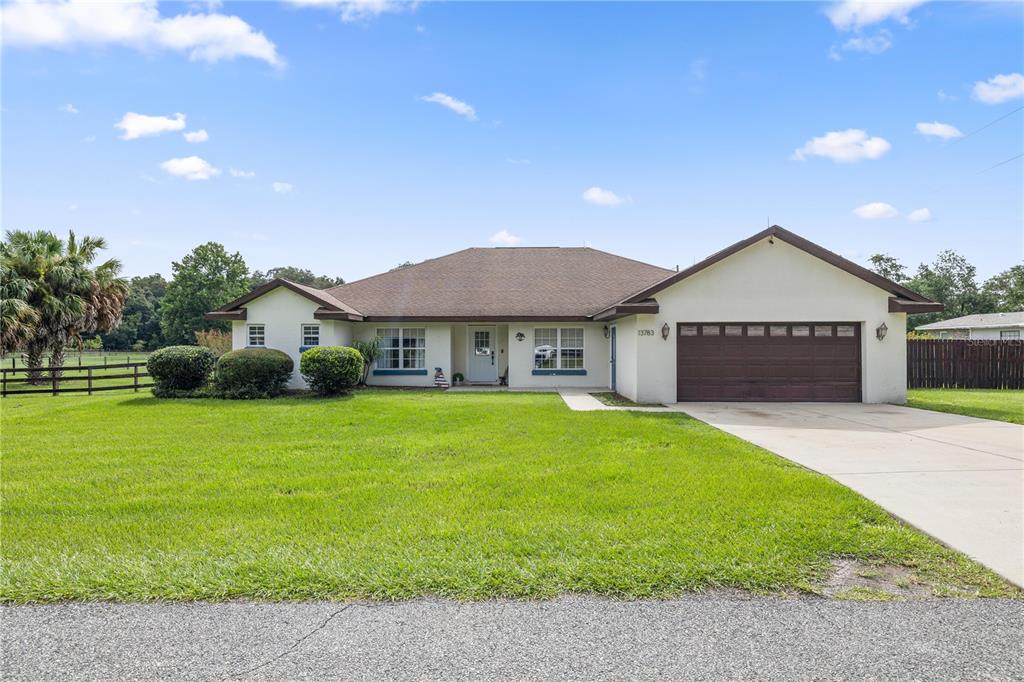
[{"x": 502, "y": 282}]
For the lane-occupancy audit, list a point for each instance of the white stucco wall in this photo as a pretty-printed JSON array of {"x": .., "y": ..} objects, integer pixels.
[
  {"x": 769, "y": 283},
  {"x": 438, "y": 352},
  {"x": 282, "y": 312},
  {"x": 520, "y": 357}
]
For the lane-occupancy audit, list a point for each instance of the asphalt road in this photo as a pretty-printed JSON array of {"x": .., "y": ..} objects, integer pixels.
[{"x": 694, "y": 638}]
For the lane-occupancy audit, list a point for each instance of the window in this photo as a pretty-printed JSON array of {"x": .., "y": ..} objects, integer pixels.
[
  {"x": 310, "y": 335},
  {"x": 778, "y": 330},
  {"x": 688, "y": 330},
  {"x": 734, "y": 330},
  {"x": 558, "y": 348},
  {"x": 402, "y": 348},
  {"x": 845, "y": 330},
  {"x": 710, "y": 330},
  {"x": 755, "y": 330},
  {"x": 1009, "y": 334},
  {"x": 820, "y": 330},
  {"x": 257, "y": 335},
  {"x": 801, "y": 330}
]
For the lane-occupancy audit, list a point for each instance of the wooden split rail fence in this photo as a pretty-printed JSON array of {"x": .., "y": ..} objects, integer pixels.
[
  {"x": 54, "y": 380},
  {"x": 963, "y": 363}
]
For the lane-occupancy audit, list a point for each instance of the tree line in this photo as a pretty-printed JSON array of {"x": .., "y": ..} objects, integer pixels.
[
  {"x": 53, "y": 297},
  {"x": 953, "y": 281}
]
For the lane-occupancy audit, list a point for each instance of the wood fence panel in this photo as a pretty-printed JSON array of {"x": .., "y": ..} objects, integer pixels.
[
  {"x": 964, "y": 363},
  {"x": 55, "y": 380}
]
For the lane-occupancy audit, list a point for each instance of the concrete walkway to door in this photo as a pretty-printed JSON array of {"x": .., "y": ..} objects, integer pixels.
[{"x": 959, "y": 479}]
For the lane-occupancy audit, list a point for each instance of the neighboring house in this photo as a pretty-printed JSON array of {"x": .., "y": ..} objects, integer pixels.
[
  {"x": 773, "y": 317},
  {"x": 988, "y": 326}
]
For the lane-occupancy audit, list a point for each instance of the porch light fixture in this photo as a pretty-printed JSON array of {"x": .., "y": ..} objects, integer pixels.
[
  {"x": 664, "y": 331},
  {"x": 607, "y": 333},
  {"x": 881, "y": 331},
  {"x": 520, "y": 336}
]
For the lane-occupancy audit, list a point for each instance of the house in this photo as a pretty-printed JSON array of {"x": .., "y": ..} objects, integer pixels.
[
  {"x": 772, "y": 317},
  {"x": 988, "y": 326}
]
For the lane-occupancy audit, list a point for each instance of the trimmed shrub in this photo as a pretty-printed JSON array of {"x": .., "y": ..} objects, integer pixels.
[
  {"x": 253, "y": 373},
  {"x": 177, "y": 370},
  {"x": 331, "y": 370}
]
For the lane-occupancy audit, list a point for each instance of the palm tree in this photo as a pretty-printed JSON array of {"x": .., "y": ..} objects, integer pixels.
[
  {"x": 68, "y": 296},
  {"x": 17, "y": 317}
]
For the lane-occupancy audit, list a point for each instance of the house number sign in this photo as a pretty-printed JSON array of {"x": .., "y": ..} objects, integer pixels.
[{"x": 645, "y": 332}]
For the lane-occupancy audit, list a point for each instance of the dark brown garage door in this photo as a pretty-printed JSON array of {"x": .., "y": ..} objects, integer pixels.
[{"x": 801, "y": 361}]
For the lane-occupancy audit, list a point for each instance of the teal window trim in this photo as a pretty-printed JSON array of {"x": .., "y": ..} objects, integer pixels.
[
  {"x": 559, "y": 372},
  {"x": 399, "y": 372}
]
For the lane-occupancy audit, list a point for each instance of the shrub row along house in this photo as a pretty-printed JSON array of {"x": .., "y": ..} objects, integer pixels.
[{"x": 773, "y": 317}]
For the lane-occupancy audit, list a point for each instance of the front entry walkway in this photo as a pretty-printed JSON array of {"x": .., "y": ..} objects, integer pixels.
[{"x": 959, "y": 479}]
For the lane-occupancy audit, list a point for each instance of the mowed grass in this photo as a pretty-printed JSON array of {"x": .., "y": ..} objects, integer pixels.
[
  {"x": 1003, "y": 405},
  {"x": 399, "y": 494}
]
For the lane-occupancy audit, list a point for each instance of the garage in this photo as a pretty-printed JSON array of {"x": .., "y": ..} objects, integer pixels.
[{"x": 768, "y": 361}]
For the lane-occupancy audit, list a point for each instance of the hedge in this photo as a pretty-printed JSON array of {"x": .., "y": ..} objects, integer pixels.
[
  {"x": 178, "y": 370},
  {"x": 330, "y": 370},
  {"x": 253, "y": 373}
]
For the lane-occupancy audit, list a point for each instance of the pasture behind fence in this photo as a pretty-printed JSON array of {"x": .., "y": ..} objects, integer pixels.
[
  {"x": 55, "y": 380},
  {"x": 964, "y": 363}
]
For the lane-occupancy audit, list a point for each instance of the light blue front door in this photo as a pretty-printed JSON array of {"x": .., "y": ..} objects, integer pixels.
[{"x": 483, "y": 364}]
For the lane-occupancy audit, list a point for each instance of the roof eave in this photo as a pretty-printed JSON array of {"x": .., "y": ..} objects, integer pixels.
[
  {"x": 616, "y": 312},
  {"x": 226, "y": 315},
  {"x": 902, "y": 305}
]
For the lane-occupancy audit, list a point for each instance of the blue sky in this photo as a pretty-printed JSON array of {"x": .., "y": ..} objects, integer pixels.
[{"x": 350, "y": 137}]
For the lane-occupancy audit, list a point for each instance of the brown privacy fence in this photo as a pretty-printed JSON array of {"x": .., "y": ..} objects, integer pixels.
[
  {"x": 962, "y": 363},
  {"x": 72, "y": 379}
]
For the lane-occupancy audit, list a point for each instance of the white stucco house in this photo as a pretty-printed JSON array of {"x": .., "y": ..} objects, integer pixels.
[
  {"x": 991, "y": 326},
  {"x": 773, "y": 317}
]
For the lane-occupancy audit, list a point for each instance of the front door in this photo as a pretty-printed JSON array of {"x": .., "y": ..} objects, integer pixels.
[
  {"x": 483, "y": 365},
  {"x": 614, "y": 387}
]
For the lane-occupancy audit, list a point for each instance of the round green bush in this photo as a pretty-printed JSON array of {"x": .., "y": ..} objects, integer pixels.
[
  {"x": 253, "y": 373},
  {"x": 330, "y": 370},
  {"x": 178, "y": 369}
]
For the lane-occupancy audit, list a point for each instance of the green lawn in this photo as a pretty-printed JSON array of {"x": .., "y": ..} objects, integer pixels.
[
  {"x": 1004, "y": 405},
  {"x": 397, "y": 494}
]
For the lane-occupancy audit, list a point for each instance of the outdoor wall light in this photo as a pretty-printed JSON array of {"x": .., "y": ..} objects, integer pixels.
[
  {"x": 520, "y": 336},
  {"x": 607, "y": 333},
  {"x": 881, "y": 331},
  {"x": 664, "y": 331}
]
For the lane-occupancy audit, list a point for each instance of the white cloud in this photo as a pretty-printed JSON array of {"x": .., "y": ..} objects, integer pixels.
[
  {"x": 420, "y": 28},
  {"x": 190, "y": 168},
  {"x": 197, "y": 136},
  {"x": 206, "y": 37},
  {"x": 876, "y": 44},
  {"x": 281, "y": 187},
  {"x": 505, "y": 238},
  {"x": 236, "y": 173},
  {"x": 941, "y": 94},
  {"x": 856, "y": 14},
  {"x": 359, "y": 10},
  {"x": 941, "y": 130},
  {"x": 458, "y": 106},
  {"x": 68, "y": 109},
  {"x": 999, "y": 89},
  {"x": 603, "y": 197},
  {"x": 876, "y": 210},
  {"x": 843, "y": 146},
  {"x": 518, "y": 162},
  {"x": 920, "y": 215},
  {"x": 140, "y": 125}
]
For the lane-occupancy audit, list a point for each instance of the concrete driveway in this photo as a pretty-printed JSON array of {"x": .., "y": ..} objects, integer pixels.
[{"x": 959, "y": 479}]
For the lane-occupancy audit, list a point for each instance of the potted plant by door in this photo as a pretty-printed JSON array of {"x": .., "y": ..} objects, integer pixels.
[{"x": 457, "y": 379}]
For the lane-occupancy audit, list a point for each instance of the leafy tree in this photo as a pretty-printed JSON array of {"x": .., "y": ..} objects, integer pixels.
[
  {"x": 889, "y": 267},
  {"x": 68, "y": 294},
  {"x": 370, "y": 350},
  {"x": 204, "y": 280},
  {"x": 297, "y": 275},
  {"x": 952, "y": 281},
  {"x": 140, "y": 322},
  {"x": 1006, "y": 290}
]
